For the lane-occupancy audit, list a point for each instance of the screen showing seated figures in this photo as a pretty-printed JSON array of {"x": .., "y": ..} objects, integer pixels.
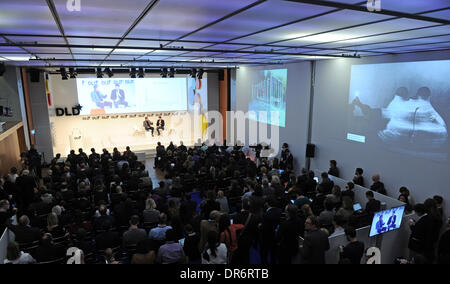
[{"x": 126, "y": 95}]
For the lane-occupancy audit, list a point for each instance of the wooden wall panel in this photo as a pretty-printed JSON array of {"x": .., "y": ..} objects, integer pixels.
[{"x": 9, "y": 153}]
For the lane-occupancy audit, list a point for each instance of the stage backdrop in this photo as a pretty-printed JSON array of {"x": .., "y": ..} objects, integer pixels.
[{"x": 110, "y": 124}]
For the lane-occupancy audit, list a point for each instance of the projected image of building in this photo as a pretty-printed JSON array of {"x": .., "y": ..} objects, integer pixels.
[{"x": 270, "y": 91}]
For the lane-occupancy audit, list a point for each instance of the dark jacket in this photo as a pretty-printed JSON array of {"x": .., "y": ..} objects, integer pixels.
[
  {"x": 271, "y": 220},
  {"x": 314, "y": 247}
]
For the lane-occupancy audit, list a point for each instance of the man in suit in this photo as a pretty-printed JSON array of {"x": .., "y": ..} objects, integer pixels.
[
  {"x": 148, "y": 125},
  {"x": 48, "y": 251},
  {"x": 118, "y": 97},
  {"x": 24, "y": 232},
  {"x": 316, "y": 242},
  {"x": 421, "y": 238},
  {"x": 270, "y": 222},
  {"x": 377, "y": 185},
  {"x": 26, "y": 185},
  {"x": 160, "y": 124}
]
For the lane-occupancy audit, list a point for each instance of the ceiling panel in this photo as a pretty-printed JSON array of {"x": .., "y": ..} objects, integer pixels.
[
  {"x": 405, "y": 43},
  {"x": 149, "y": 43},
  {"x": 48, "y": 49},
  {"x": 174, "y": 18},
  {"x": 100, "y": 17},
  {"x": 26, "y": 16},
  {"x": 92, "y": 41},
  {"x": 257, "y": 19},
  {"x": 58, "y": 56},
  {"x": 84, "y": 56},
  {"x": 358, "y": 35},
  {"x": 11, "y": 49},
  {"x": 37, "y": 39},
  {"x": 317, "y": 25},
  {"x": 431, "y": 31},
  {"x": 441, "y": 14}
]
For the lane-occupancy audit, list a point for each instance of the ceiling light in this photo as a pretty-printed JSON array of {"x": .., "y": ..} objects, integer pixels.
[
  {"x": 72, "y": 73},
  {"x": 200, "y": 73},
  {"x": 129, "y": 50},
  {"x": 63, "y": 73},
  {"x": 15, "y": 57},
  {"x": 141, "y": 73},
  {"x": 163, "y": 72},
  {"x": 172, "y": 73},
  {"x": 99, "y": 73},
  {"x": 133, "y": 73},
  {"x": 109, "y": 72}
]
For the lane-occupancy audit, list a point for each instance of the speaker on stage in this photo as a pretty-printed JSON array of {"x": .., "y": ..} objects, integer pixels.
[
  {"x": 34, "y": 76},
  {"x": 310, "y": 150}
]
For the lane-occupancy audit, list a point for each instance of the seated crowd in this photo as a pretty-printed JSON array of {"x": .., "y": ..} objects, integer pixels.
[{"x": 214, "y": 205}]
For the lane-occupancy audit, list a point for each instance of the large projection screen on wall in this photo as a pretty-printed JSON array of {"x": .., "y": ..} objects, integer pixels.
[
  {"x": 110, "y": 96},
  {"x": 404, "y": 107}
]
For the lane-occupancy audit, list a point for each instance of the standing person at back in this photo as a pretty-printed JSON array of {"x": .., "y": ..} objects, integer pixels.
[
  {"x": 354, "y": 250},
  {"x": 334, "y": 171},
  {"x": 377, "y": 185},
  {"x": 316, "y": 243}
]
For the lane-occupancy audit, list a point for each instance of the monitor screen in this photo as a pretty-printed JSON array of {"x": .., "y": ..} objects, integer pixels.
[
  {"x": 316, "y": 179},
  {"x": 386, "y": 221}
]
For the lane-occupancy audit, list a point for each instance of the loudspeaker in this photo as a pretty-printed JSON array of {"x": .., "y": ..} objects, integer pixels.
[
  {"x": 310, "y": 150},
  {"x": 221, "y": 75},
  {"x": 2, "y": 69},
  {"x": 34, "y": 76}
]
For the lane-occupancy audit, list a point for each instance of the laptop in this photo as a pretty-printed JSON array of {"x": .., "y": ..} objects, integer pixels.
[{"x": 357, "y": 207}]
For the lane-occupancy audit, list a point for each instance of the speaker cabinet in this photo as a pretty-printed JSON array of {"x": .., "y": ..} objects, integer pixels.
[{"x": 310, "y": 150}]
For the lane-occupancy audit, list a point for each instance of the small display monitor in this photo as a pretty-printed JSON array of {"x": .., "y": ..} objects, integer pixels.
[{"x": 386, "y": 221}]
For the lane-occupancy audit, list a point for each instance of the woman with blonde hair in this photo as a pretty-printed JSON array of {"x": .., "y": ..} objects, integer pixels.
[
  {"x": 307, "y": 211},
  {"x": 53, "y": 226},
  {"x": 150, "y": 214}
]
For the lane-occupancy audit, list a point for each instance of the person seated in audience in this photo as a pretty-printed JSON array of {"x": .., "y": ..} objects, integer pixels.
[
  {"x": 15, "y": 256},
  {"x": 150, "y": 214},
  {"x": 222, "y": 199},
  {"x": 408, "y": 207},
  {"x": 159, "y": 233},
  {"x": 84, "y": 242},
  {"x": 422, "y": 235},
  {"x": 349, "y": 186},
  {"x": 144, "y": 253},
  {"x": 326, "y": 217},
  {"x": 24, "y": 233},
  {"x": 354, "y": 250},
  {"x": 134, "y": 235},
  {"x": 172, "y": 251},
  {"x": 109, "y": 257},
  {"x": 405, "y": 191},
  {"x": 6, "y": 213},
  {"x": 300, "y": 199},
  {"x": 53, "y": 226},
  {"x": 358, "y": 178},
  {"x": 315, "y": 244},
  {"x": 347, "y": 209},
  {"x": 326, "y": 183},
  {"x": 377, "y": 185},
  {"x": 103, "y": 218},
  {"x": 48, "y": 251},
  {"x": 215, "y": 252},
  {"x": 336, "y": 196},
  {"x": 108, "y": 238},
  {"x": 373, "y": 205},
  {"x": 334, "y": 171}
]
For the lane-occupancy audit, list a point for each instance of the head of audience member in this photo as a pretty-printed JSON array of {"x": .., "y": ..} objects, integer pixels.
[
  {"x": 150, "y": 204},
  {"x": 376, "y": 177},
  {"x": 350, "y": 186},
  {"x": 4, "y": 205},
  {"x": 162, "y": 221},
  {"x": 134, "y": 222},
  {"x": 347, "y": 203},
  {"x": 102, "y": 210},
  {"x": 370, "y": 195},
  {"x": 439, "y": 200},
  {"x": 52, "y": 221},
  {"x": 336, "y": 191},
  {"x": 276, "y": 180},
  {"x": 333, "y": 163},
  {"x": 404, "y": 191},
  {"x": 324, "y": 175},
  {"x": 24, "y": 220},
  {"x": 338, "y": 221},
  {"x": 350, "y": 233},
  {"x": 13, "y": 251},
  {"x": 420, "y": 209},
  {"x": 403, "y": 198},
  {"x": 291, "y": 211},
  {"x": 47, "y": 240},
  {"x": 214, "y": 216},
  {"x": 171, "y": 236},
  {"x": 328, "y": 204},
  {"x": 307, "y": 211},
  {"x": 311, "y": 223},
  {"x": 285, "y": 146}
]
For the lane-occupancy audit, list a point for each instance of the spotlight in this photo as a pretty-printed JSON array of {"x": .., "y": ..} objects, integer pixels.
[
  {"x": 133, "y": 73},
  {"x": 172, "y": 73},
  {"x": 200, "y": 74},
  {"x": 109, "y": 72},
  {"x": 63, "y": 73},
  {"x": 163, "y": 72},
  {"x": 72, "y": 73},
  {"x": 193, "y": 73},
  {"x": 141, "y": 73},
  {"x": 99, "y": 73}
]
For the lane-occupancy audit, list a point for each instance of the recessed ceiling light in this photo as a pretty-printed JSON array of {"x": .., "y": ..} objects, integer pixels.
[
  {"x": 127, "y": 50},
  {"x": 14, "y": 57}
]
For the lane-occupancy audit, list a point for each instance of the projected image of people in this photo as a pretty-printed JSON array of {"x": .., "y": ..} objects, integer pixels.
[
  {"x": 386, "y": 221},
  {"x": 98, "y": 97},
  {"x": 406, "y": 111},
  {"x": 269, "y": 94},
  {"x": 118, "y": 96}
]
